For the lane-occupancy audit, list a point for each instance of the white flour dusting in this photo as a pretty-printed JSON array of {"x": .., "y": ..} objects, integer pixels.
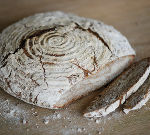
[
  {"x": 79, "y": 129},
  {"x": 18, "y": 113},
  {"x": 24, "y": 121},
  {"x": 12, "y": 112},
  {"x": 46, "y": 120},
  {"x": 54, "y": 116}
]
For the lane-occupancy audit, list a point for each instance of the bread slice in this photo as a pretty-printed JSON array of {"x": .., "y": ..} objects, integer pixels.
[
  {"x": 119, "y": 90},
  {"x": 139, "y": 98},
  {"x": 51, "y": 59}
]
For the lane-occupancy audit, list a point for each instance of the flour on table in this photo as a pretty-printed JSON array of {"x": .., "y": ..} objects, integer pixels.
[
  {"x": 55, "y": 116},
  {"x": 12, "y": 112}
]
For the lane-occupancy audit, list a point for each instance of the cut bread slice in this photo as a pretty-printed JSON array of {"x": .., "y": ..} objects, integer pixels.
[
  {"x": 138, "y": 99},
  {"x": 119, "y": 90}
]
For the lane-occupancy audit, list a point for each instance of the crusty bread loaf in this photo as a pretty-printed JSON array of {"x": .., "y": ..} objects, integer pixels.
[
  {"x": 119, "y": 90},
  {"x": 138, "y": 99},
  {"x": 51, "y": 59}
]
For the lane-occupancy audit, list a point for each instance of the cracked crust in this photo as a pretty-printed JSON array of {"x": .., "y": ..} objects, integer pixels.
[{"x": 45, "y": 56}]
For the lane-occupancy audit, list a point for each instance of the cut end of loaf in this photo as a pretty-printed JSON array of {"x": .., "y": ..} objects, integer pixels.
[{"x": 94, "y": 82}]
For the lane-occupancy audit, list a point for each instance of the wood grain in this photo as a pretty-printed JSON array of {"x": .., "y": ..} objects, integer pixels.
[{"x": 130, "y": 17}]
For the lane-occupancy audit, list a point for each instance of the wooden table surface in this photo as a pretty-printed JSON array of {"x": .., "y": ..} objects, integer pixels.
[{"x": 131, "y": 18}]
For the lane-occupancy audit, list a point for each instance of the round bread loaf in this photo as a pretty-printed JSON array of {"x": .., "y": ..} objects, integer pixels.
[{"x": 51, "y": 59}]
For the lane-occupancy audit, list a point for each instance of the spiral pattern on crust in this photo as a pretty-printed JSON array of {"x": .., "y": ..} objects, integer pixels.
[{"x": 63, "y": 52}]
